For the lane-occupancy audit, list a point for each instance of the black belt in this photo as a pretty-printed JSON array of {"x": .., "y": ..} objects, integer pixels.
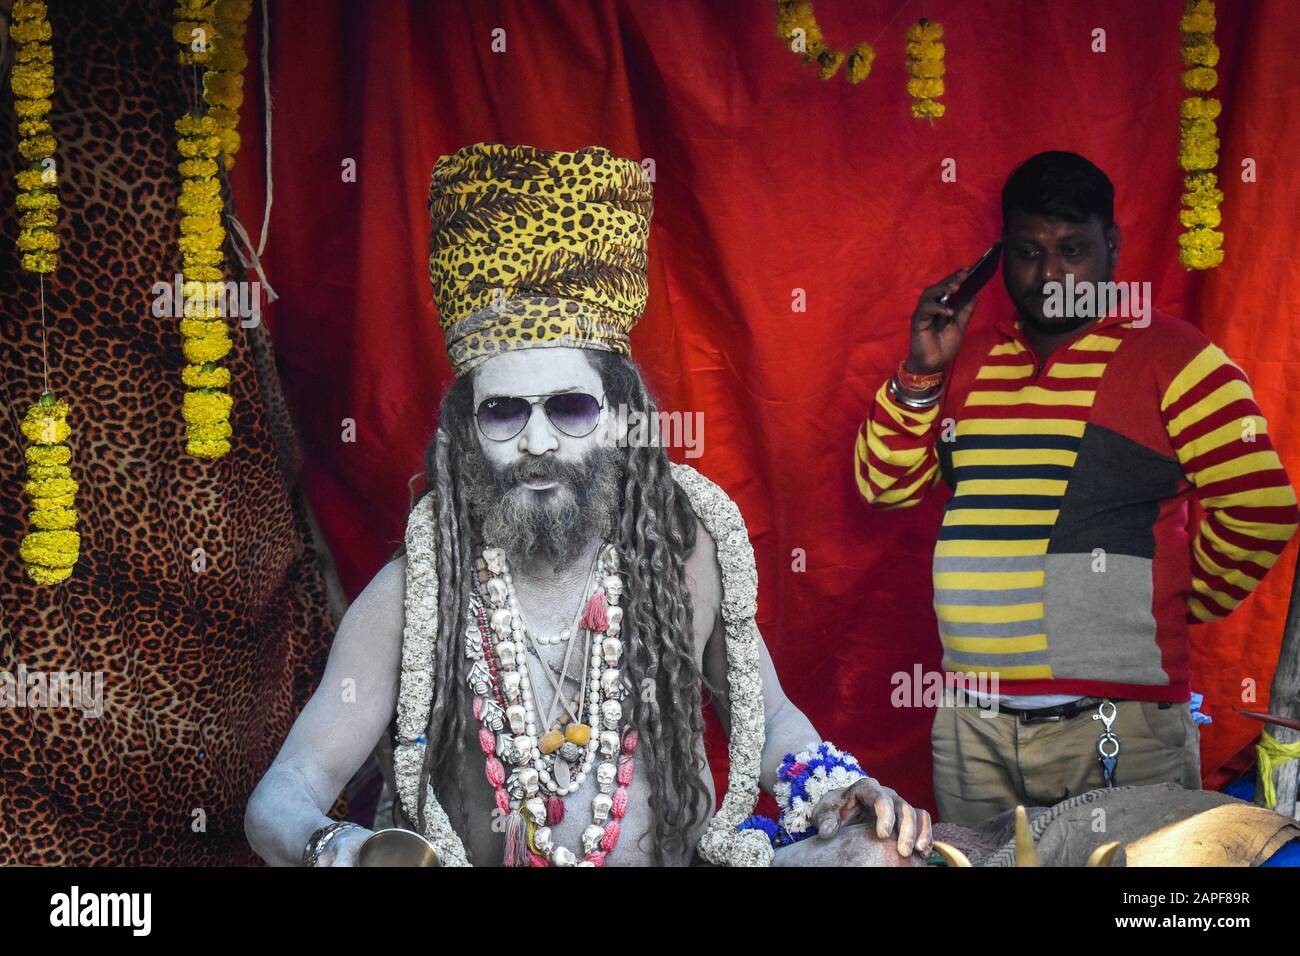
[
  {"x": 1071, "y": 708},
  {"x": 1064, "y": 711},
  {"x": 1028, "y": 715}
]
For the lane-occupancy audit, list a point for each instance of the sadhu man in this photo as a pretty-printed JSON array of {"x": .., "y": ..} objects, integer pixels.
[{"x": 565, "y": 593}]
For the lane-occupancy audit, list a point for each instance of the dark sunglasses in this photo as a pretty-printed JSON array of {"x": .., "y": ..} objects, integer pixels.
[{"x": 502, "y": 417}]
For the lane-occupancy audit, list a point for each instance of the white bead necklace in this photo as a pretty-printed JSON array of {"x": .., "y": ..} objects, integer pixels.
[
  {"x": 567, "y": 633},
  {"x": 605, "y": 685},
  {"x": 603, "y": 710}
]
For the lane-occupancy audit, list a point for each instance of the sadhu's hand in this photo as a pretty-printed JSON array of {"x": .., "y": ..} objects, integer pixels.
[
  {"x": 891, "y": 812},
  {"x": 345, "y": 848}
]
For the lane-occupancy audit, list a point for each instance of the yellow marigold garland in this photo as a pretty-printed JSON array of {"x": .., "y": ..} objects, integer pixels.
[
  {"x": 51, "y": 550},
  {"x": 205, "y": 141},
  {"x": 860, "y": 61},
  {"x": 1201, "y": 243},
  {"x": 193, "y": 31},
  {"x": 796, "y": 15},
  {"x": 925, "y": 68},
  {"x": 32, "y": 80},
  {"x": 223, "y": 81}
]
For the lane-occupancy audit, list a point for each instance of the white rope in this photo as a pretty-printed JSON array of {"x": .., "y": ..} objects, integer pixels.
[
  {"x": 254, "y": 255},
  {"x": 266, "y": 98}
]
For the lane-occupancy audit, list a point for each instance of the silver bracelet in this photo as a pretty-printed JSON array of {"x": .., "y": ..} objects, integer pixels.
[
  {"x": 896, "y": 393},
  {"x": 321, "y": 839}
]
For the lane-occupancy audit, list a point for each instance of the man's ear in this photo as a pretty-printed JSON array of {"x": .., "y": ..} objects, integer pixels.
[{"x": 1113, "y": 242}]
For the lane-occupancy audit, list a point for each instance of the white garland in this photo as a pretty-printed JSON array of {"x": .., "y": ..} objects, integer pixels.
[
  {"x": 796, "y": 812},
  {"x": 415, "y": 692},
  {"x": 721, "y": 843}
]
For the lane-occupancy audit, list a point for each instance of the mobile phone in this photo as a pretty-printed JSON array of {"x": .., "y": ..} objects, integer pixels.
[{"x": 976, "y": 279}]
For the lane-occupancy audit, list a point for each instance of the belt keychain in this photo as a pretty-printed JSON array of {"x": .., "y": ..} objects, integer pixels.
[{"x": 1108, "y": 742}]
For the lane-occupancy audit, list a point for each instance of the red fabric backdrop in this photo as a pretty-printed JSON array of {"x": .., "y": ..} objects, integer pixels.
[{"x": 768, "y": 180}]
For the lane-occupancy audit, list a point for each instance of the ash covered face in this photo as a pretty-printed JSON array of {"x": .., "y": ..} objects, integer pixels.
[{"x": 543, "y": 477}]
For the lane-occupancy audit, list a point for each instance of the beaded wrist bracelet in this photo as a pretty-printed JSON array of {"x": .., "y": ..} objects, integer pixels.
[{"x": 804, "y": 778}]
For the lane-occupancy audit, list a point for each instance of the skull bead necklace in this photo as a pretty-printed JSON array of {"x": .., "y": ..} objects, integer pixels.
[{"x": 504, "y": 703}]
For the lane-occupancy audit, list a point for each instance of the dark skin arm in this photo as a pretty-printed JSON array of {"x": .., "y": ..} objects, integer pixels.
[{"x": 937, "y": 330}]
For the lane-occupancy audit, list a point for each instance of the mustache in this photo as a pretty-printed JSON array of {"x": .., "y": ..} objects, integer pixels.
[{"x": 546, "y": 469}]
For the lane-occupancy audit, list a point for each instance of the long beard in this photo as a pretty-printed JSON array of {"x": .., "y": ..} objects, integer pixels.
[{"x": 555, "y": 525}]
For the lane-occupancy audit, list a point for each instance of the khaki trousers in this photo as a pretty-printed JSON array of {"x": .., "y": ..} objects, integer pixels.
[{"x": 985, "y": 765}]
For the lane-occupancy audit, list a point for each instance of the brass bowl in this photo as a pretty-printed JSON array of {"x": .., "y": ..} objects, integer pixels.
[{"x": 397, "y": 847}]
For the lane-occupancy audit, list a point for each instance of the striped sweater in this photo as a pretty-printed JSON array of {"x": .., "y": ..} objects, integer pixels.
[{"x": 1064, "y": 563}]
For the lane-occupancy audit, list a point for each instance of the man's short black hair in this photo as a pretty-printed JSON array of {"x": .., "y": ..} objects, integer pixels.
[{"x": 1059, "y": 185}]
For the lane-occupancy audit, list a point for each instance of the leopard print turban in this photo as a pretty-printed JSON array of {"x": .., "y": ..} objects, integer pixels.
[{"x": 532, "y": 248}]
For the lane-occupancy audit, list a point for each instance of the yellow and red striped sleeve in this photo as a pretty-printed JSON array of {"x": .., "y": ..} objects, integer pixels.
[
  {"x": 1222, "y": 442},
  {"x": 894, "y": 458}
]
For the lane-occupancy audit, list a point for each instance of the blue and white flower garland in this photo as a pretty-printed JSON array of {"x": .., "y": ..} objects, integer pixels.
[{"x": 801, "y": 782}]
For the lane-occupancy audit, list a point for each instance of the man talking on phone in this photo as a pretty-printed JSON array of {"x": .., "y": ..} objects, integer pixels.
[{"x": 1073, "y": 440}]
